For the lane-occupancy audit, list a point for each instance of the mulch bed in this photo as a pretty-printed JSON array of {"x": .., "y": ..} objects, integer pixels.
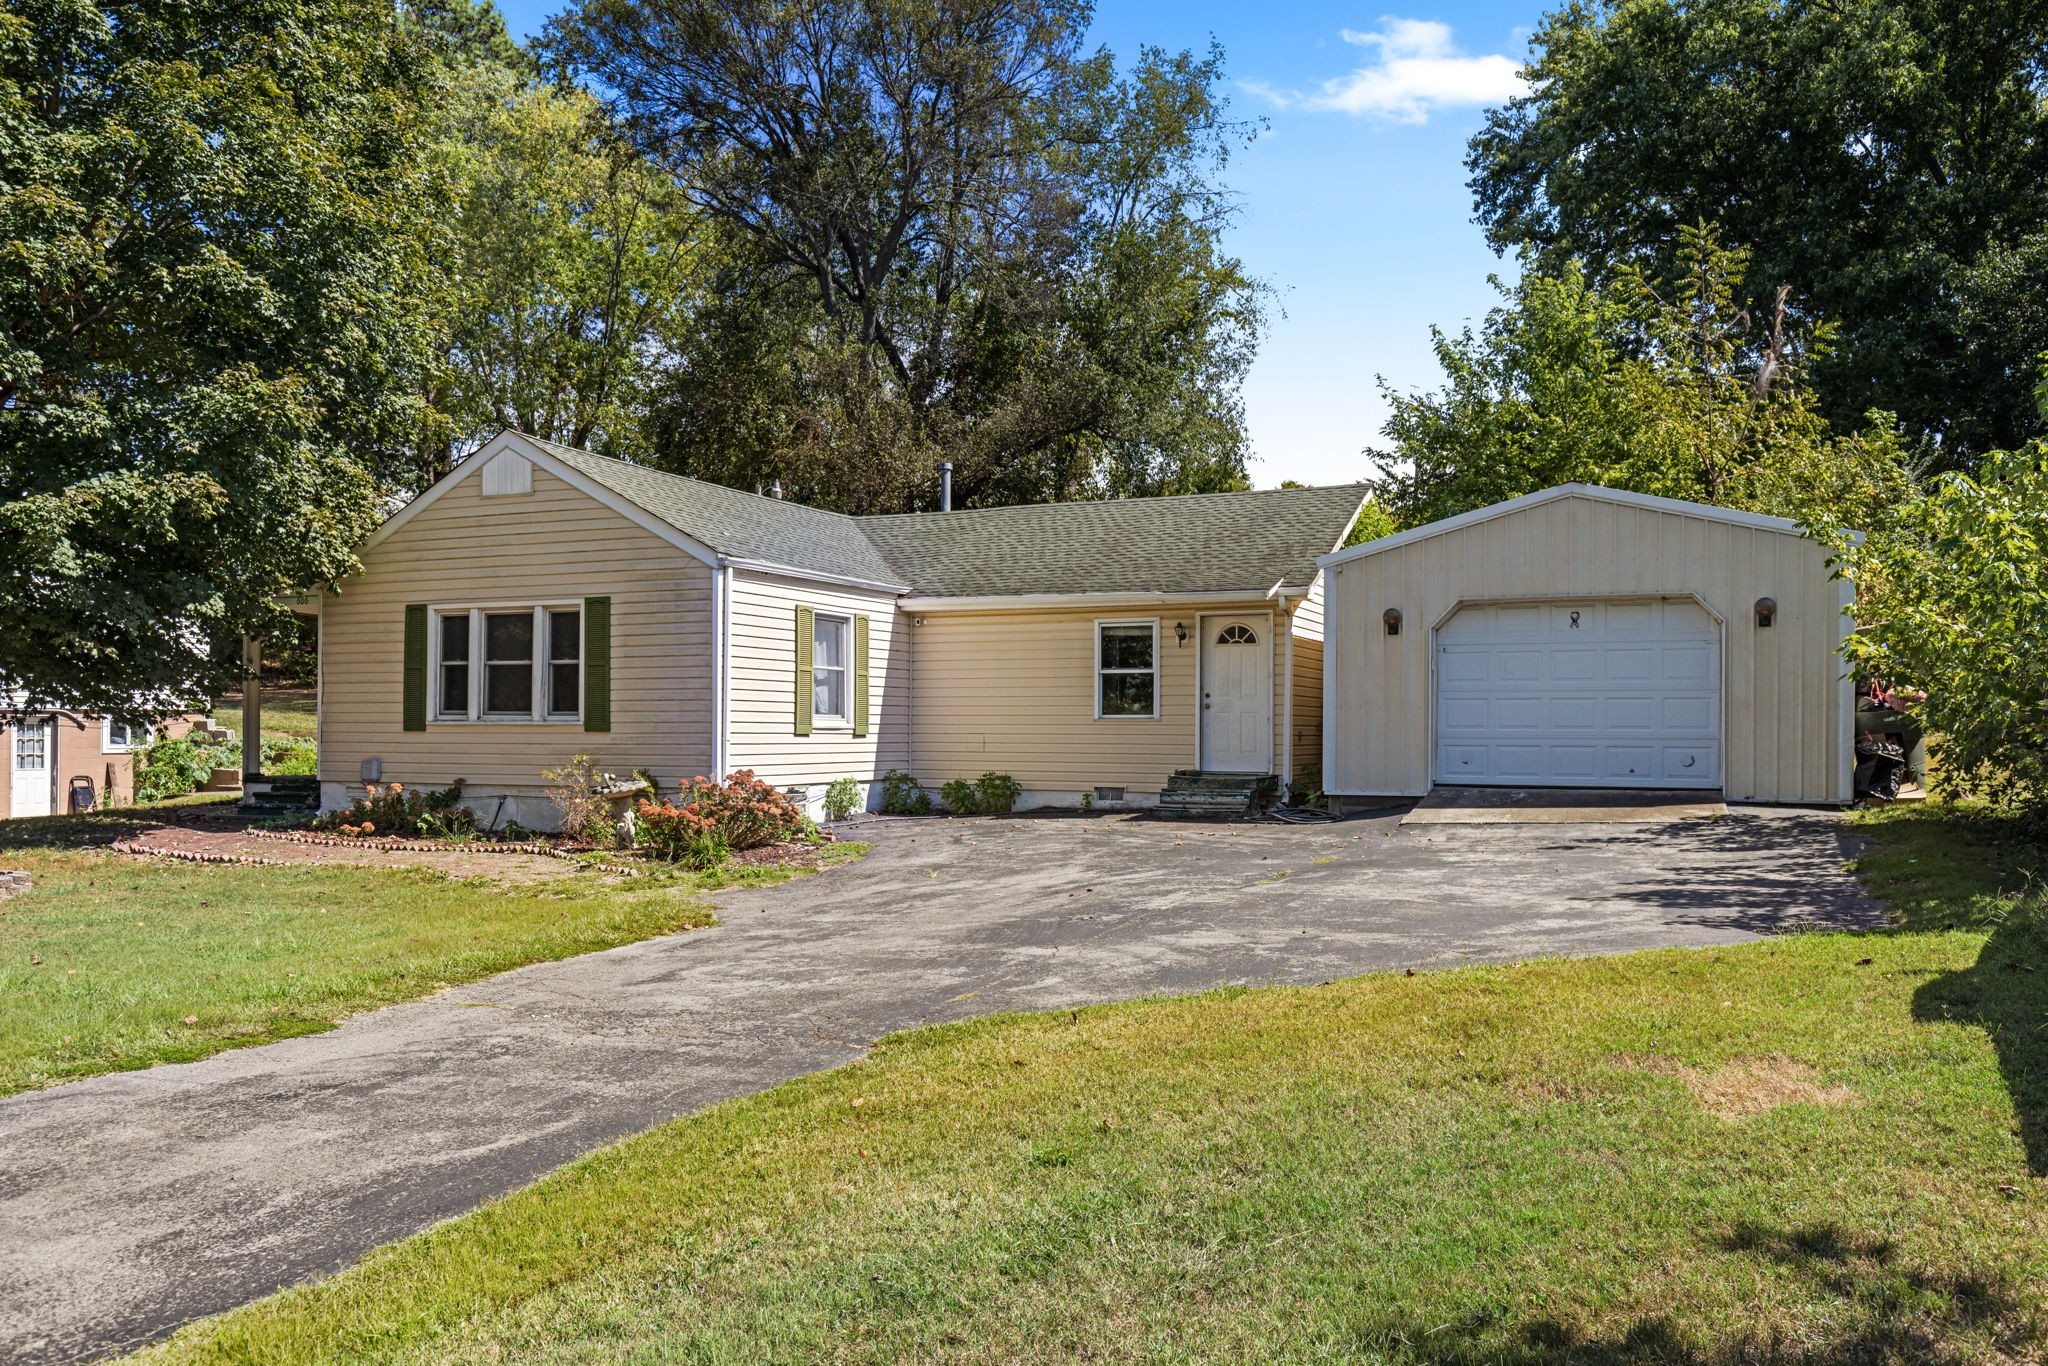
[{"x": 228, "y": 841}]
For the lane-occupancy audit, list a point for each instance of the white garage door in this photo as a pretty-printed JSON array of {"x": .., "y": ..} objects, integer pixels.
[{"x": 1597, "y": 693}]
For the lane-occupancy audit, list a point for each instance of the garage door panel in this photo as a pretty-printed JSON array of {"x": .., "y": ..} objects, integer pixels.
[
  {"x": 1629, "y": 714},
  {"x": 1585, "y": 693},
  {"x": 1570, "y": 714}
]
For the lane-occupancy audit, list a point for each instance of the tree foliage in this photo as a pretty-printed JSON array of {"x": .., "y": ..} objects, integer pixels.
[
  {"x": 208, "y": 219},
  {"x": 942, "y": 231},
  {"x": 1668, "y": 386},
  {"x": 1887, "y": 159},
  {"x": 1952, "y": 601}
]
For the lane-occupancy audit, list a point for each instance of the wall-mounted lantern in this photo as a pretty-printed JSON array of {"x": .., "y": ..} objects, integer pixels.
[
  {"x": 1766, "y": 612},
  {"x": 1392, "y": 617},
  {"x": 1180, "y": 632}
]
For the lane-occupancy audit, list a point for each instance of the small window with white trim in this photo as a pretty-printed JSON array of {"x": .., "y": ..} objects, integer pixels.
[
  {"x": 1127, "y": 669},
  {"x": 831, "y": 670},
  {"x": 119, "y": 737},
  {"x": 508, "y": 663}
]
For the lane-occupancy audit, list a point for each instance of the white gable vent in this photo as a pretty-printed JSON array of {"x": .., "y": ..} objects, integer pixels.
[{"x": 507, "y": 472}]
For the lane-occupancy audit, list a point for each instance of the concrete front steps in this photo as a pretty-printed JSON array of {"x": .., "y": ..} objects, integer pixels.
[
  {"x": 280, "y": 799},
  {"x": 1191, "y": 794}
]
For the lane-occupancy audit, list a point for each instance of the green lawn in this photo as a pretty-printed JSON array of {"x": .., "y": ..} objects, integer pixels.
[
  {"x": 1821, "y": 1148},
  {"x": 113, "y": 963},
  {"x": 291, "y": 713}
]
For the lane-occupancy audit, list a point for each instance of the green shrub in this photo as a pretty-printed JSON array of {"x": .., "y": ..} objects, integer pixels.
[
  {"x": 173, "y": 767},
  {"x": 958, "y": 795},
  {"x": 1307, "y": 787},
  {"x": 287, "y": 757},
  {"x": 705, "y": 851},
  {"x": 842, "y": 796},
  {"x": 393, "y": 809},
  {"x": 995, "y": 794},
  {"x": 901, "y": 795}
]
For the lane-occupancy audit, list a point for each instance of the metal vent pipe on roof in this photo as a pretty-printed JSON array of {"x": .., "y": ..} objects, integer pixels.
[{"x": 945, "y": 486}]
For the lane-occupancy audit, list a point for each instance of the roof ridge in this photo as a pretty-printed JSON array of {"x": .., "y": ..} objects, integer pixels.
[
  {"x": 558, "y": 448},
  {"x": 1109, "y": 502}
]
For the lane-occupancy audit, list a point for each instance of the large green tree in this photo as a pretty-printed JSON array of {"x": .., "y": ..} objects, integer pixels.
[
  {"x": 1661, "y": 385},
  {"x": 941, "y": 230},
  {"x": 1887, "y": 159},
  {"x": 560, "y": 263},
  {"x": 207, "y": 245}
]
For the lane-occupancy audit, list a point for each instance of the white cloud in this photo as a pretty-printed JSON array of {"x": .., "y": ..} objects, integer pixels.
[{"x": 1415, "y": 69}]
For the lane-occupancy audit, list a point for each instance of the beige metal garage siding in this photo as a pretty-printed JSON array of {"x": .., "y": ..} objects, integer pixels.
[{"x": 1787, "y": 709}]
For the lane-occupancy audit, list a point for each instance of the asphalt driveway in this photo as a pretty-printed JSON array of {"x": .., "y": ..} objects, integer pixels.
[{"x": 132, "y": 1203}]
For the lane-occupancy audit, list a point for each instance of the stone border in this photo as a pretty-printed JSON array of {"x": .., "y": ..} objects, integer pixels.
[
  {"x": 13, "y": 883},
  {"x": 196, "y": 856},
  {"x": 553, "y": 851}
]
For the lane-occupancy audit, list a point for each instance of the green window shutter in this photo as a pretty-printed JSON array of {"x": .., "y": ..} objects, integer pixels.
[
  {"x": 804, "y": 643},
  {"x": 597, "y": 664},
  {"x": 416, "y": 666},
  {"x": 860, "y": 676}
]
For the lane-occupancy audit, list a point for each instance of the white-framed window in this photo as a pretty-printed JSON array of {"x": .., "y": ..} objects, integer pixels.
[
  {"x": 1127, "y": 670},
  {"x": 31, "y": 746},
  {"x": 831, "y": 670},
  {"x": 508, "y": 663},
  {"x": 119, "y": 737}
]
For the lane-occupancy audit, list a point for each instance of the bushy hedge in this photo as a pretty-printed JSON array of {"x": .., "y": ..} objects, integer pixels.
[
  {"x": 709, "y": 819},
  {"x": 172, "y": 767}
]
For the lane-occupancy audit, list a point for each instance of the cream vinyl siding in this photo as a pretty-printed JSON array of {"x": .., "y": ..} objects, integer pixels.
[
  {"x": 1014, "y": 692},
  {"x": 1785, "y": 721},
  {"x": 1308, "y": 679},
  {"x": 762, "y": 724},
  {"x": 551, "y": 545}
]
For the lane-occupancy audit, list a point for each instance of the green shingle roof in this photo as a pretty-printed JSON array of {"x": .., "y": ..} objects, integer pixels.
[{"x": 1197, "y": 543}]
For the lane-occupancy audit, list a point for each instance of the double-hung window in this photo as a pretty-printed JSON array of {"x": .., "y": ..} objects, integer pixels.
[
  {"x": 831, "y": 670},
  {"x": 508, "y": 664},
  {"x": 1127, "y": 669}
]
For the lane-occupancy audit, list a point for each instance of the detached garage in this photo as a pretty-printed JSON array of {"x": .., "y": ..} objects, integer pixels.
[{"x": 1586, "y": 637}]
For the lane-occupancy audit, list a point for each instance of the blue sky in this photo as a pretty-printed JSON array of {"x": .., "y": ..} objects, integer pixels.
[{"x": 1354, "y": 201}]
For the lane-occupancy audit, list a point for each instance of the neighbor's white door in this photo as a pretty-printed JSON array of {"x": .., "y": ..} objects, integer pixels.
[
  {"x": 31, "y": 760},
  {"x": 1580, "y": 694},
  {"x": 1237, "y": 695}
]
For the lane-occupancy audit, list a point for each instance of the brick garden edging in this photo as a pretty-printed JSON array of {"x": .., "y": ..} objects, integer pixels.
[
  {"x": 13, "y": 883},
  {"x": 195, "y": 856},
  {"x": 314, "y": 837}
]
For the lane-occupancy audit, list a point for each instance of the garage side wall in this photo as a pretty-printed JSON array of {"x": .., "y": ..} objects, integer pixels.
[{"x": 1784, "y": 721}]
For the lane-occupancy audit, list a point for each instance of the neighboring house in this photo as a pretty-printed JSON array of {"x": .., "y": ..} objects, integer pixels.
[
  {"x": 51, "y": 753},
  {"x": 1586, "y": 637},
  {"x": 540, "y": 601}
]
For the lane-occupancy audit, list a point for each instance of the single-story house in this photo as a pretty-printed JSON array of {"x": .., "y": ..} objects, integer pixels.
[
  {"x": 540, "y": 602},
  {"x": 1586, "y": 637},
  {"x": 51, "y": 753}
]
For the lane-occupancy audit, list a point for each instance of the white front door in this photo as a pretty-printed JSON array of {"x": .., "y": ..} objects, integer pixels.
[
  {"x": 1588, "y": 693},
  {"x": 1237, "y": 695},
  {"x": 31, "y": 760}
]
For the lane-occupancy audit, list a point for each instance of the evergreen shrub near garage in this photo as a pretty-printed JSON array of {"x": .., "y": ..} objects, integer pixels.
[
  {"x": 902, "y": 796},
  {"x": 992, "y": 794}
]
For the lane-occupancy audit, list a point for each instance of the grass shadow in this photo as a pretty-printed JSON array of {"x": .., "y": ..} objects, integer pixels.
[
  {"x": 1889, "y": 1310},
  {"x": 102, "y": 827}
]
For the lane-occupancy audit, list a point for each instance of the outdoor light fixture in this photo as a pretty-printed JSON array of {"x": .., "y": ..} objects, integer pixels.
[
  {"x": 1766, "y": 609},
  {"x": 1180, "y": 632},
  {"x": 1392, "y": 616}
]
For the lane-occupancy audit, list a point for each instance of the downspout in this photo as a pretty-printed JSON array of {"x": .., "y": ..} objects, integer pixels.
[
  {"x": 721, "y": 667},
  {"x": 1286, "y": 702}
]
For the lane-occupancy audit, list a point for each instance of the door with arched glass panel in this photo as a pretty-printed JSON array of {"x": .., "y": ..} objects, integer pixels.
[{"x": 1237, "y": 695}]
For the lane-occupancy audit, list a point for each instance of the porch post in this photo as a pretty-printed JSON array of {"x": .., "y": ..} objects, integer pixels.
[{"x": 252, "y": 710}]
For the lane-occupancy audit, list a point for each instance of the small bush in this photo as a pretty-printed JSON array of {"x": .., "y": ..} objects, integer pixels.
[
  {"x": 286, "y": 757},
  {"x": 995, "y": 794},
  {"x": 901, "y": 795},
  {"x": 705, "y": 851},
  {"x": 842, "y": 796},
  {"x": 1307, "y": 787},
  {"x": 958, "y": 795},
  {"x": 173, "y": 767},
  {"x": 740, "y": 813},
  {"x": 393, "y": 809},
  {"x": 584, "y": 793}
]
